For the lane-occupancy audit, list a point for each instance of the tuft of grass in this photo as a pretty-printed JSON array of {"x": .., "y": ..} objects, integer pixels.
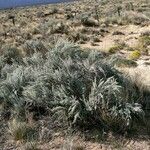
[
  {"x": 11, "y": 54},
  {"x": 145, "y": 40},
  {"x": 144, "y": 43},
  {"x": 115, "y": 48},
  {"x": 131, "y": 17},
  {"x": 134, "y": 55},
  {"x": 21, "y": 131},
  {"x": 123, "y": 62},
  {"x": 89, "y": 22}
]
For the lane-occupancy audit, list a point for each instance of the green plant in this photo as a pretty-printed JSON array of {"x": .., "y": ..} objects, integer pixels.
[{"x": 134, "y": 55}]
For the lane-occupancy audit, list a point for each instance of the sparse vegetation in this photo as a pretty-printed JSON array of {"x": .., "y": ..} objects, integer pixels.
[
  {"x": 144, "y": 43},
  {"x": 115, "y": 48},
  {"x": 66, "y": 76},
  {"x": 123, "y": 62}
]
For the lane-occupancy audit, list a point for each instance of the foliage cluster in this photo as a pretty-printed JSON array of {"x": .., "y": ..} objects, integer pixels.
[
  {"x": 134, "y": 55},
  {"x": 70, "y": 83}
]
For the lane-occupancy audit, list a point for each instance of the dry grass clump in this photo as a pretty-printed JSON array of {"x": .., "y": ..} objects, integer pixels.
[
  {"x": 123, "y": 62},
  {"x": 21, "y": 131},
  {"x": 30, "y": 146},
  {"x": 89, "y": 22},
  {"x": 135, "y": 18},
  {"x": 144, "y": 44},
  {"x": 116, "y": 48},
  {"x": 11, "y": 54},
  {"x": 113, "y": 20}
]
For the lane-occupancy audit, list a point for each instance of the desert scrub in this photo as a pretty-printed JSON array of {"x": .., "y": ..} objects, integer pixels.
[
  {"x": 30, "y": 146},
  {"x": 134, "y": 18},
  {"x": 49, "y": 27},
  {"x": 115, "y": 48},
  {"x": 144, "y": 43},
  {"x": 21, "y": 131},
  {"x": 78, "y": 85},
  {"x": 53, "y": 26},
  {"x": 11, "y": 54},
  {"x": 60, "y": 27},
  {"x": 127, "y": 17},
  {"x": 76, "y": 36},
  {"x": 89, "y": 22},
  {"x": 135, "y": 55},
  {"x": 96, "y": 39},
  {"x": 32, "y": 46},
  {"x": 145, "y": 40},
  {"x": 113, "y": 20},
  {"x": 123, "y": 62}
]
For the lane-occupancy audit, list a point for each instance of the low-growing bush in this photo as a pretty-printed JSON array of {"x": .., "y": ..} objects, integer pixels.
[
  {"x": 30, "y": 146},
  {"x": 32, "y": 46},
  {"x": 113, "y": 20},
  {"x": 135, "y": 18},
  {"x": 89, "y": 22},
  {"x": 11, "y": 54},
  {"x": 123, "y": 62},
  {"x": 82, "y": 86},
  {"x": 60, "y": 27},
  {"x": 127, "y": 17},
  {"x": 115, "y": 48},
  {"x": 144, "y": 43}
]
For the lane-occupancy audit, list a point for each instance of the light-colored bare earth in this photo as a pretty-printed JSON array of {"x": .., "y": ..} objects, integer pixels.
[
  {"x": 131, "y": 34},
  {"x": 130, "y": 37},
  {"x": 141, "y": 73}
]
